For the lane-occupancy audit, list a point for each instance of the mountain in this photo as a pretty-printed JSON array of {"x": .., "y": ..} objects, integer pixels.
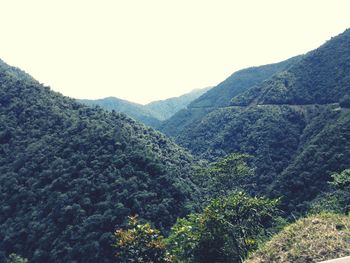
[
  {"x": 151, "y": 114},
  {"x": 321, "y": 77},
  {"x": 164, "y": 109},
  {"x": 134, "y": 110},
  {"x": 70, "y": 175},
  {"x": 291, "y": 123},
  {"x": 221, "y": 95}
]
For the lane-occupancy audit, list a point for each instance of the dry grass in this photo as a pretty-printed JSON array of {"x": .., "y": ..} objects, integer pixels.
[{"x": 313, "y": 239}]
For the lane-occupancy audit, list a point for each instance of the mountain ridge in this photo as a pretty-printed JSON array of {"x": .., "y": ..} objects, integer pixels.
[
  {"x": 220, "y": 95},
  {"x": 71, "y": 174},
  {"x": 289, "y": 87},
  {"x": 152, "y": 113},
  {"x": 287, "y": 131}
]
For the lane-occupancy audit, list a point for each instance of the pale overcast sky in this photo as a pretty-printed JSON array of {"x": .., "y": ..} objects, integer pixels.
[{"x": 155, "y": 49}]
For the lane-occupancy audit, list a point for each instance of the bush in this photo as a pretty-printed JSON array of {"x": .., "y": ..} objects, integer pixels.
[
  {"x": 225, "y": 231},
  {"x": 13, "y": 258}
]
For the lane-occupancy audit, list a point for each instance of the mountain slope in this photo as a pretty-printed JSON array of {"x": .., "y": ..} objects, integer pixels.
[
  {"x": 221, "y": 95},
  {"x": 15, "y": 72},
  {"x": 70, "y": 175},
  {"x": 164, "y": 109},
  {"x": 292, "y": 124},
  {"x": 295, "y": 148},
  {"x": 151, "y": 114},
  {"x": 313, "y": 239},
  {"x": 320, "y": 77},
  {"x": 134, "y": 110}
]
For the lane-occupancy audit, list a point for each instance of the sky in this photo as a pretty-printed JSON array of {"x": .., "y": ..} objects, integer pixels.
[{"x": 149, "y": 50}]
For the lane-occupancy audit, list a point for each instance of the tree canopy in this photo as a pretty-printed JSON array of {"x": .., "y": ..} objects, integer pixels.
[{"x": 70, "y": 175}]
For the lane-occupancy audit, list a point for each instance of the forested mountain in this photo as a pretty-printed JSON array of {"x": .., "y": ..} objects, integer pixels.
[
  {"x": 221, "y": 95},
  {"x": 70, "y": 175},
  {"x": 279, "y": 135},
  {"x": 164, "y": 109},
  {"x": 321, "y": 77},
  {"x": 151, "y": 114},
  {"x": 292, "y": 124},
  {"x": 134, "y": 110}
]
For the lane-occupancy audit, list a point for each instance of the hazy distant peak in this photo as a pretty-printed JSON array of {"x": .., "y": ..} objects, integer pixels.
[
  {"x": 164, "y": 109},
  {"x": 152, "y": 113}
]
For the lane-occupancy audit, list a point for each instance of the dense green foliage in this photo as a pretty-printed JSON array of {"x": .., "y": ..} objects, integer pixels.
[
  {"x": 336, "y": 198},
  {"x": 70, "y": 175},
  {"x": 225, "y": 231},
  {"x": 13, "y": 258},
  {"x": 151, "y": 114},
  {"x": 134, "y": 110},
  {"x": 140, "y": 243},
  {"x": 228, "y": 228},
  {"x": 323, "y": 150},
  {"x": 320, "y": 77},
  {"x": 220, "y": 96},
  {"x": 226, "y": 176},
  {"x": 16, "y": 72},
  {"x": 291, "y": 123},
  {"x": 269, "y": 134}
]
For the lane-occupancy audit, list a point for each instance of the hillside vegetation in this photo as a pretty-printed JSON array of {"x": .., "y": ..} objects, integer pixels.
[
  {"x": 220, "y": 96},
  {"x": 151, "y": 114},
  {"x": 296, "y": 125},
  {"x": 164, "y": 109},
  {"x": 134, "y": 110},
  {"x": 312, "y": 239},
  {"x": 321, "y": 77},
  {"x": 271, "y": 145},
  {"x": 70, "y": 175}
]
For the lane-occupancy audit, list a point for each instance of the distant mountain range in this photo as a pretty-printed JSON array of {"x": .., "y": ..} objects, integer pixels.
[
  {"x": 151, "y": 114},
  {"x": 71, "y": 174}
]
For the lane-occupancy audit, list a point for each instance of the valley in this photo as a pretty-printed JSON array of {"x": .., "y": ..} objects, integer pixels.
[{"x": 230, "y": 174}]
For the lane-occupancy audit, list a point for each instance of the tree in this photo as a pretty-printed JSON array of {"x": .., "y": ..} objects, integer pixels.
[
  {"x": 13, "y": 258},
  {"x": 225, "y": 231},
  {"x": 337, "y": 198},
  {"x": 226, "y": 175},
  {"x": 184, "y": 238},
  {"x": 341, "y": 180},
  {"x": 140, "y": 243}
]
